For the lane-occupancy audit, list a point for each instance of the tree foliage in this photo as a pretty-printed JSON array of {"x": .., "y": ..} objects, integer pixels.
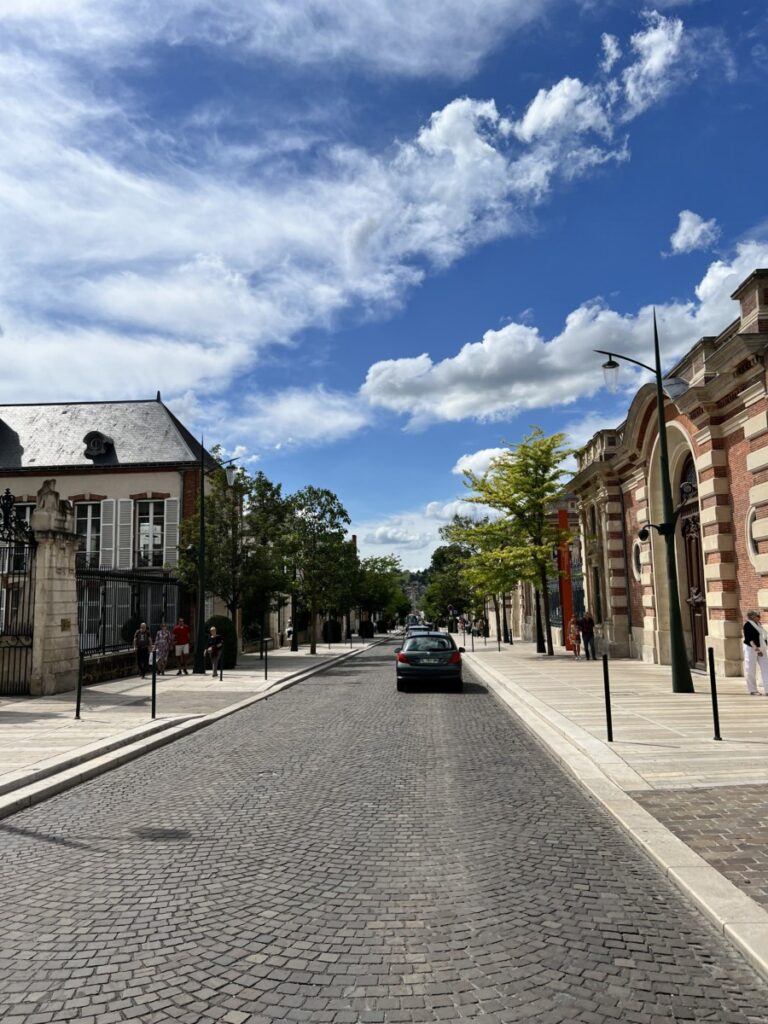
[
  {"x": 523, "y": 484},
  {"x": 318, "y": 522}
]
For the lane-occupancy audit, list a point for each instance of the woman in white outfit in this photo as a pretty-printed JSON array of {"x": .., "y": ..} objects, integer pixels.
[{"x": 755, "y": 653}]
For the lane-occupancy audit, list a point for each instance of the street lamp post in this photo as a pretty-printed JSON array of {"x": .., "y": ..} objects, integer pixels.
[
  {"x": 198, "y": 666},
  {"x": 674, "y": 388}
]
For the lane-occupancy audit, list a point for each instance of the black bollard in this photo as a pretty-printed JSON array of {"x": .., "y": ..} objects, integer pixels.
[
  {"x": 79, "y": 686},
  {"x": 472, "y": 638},
  {"x": 607, "y": 687},
  {"x": 266, "y": 660},
  {"x": 154, "y": 684},
  {"x": 713, "y": 687}
]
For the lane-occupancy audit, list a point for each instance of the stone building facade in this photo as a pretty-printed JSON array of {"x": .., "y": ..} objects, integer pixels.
[{"x": 718, "y": 455}]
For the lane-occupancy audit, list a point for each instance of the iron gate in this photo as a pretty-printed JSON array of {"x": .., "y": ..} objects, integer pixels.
[
  {"x": 17, "y": 599},
  {"x": 112, "y": 602}
]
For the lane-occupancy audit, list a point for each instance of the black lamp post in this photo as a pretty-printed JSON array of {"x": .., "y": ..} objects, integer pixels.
[
  {"x": 674, "y": 387},
  {"x": 198, "y": 665}
]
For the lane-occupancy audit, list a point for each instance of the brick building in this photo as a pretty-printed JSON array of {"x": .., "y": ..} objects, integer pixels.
[{"x": 718, "y": 454}]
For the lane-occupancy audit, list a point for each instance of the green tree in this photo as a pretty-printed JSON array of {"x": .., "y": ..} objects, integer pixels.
[
  {"x": 523, "y": 483},
  {"x": 380, "y": 586},
  {"x": 266, "y": 551},
  {"x": 446, "y": 587},
  {"x": 226, "y": 535},
  {"x": 317, "y": 525},
  {"x": 245, "y": 528}
]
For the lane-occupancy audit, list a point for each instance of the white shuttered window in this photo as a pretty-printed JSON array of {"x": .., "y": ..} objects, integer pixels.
[
  {"x": 171, "y": 539},
  {"x": 107, "y": 552},
  {"x": 124, "y": 558}
]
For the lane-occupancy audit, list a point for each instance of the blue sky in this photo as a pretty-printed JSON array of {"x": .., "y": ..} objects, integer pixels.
[{"x": 362, "y": 244}]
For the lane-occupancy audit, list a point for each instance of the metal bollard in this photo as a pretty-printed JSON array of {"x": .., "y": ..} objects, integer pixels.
[
  {"x": 266, "y": 659},
  {"x": 713, "y": 688},
  {"x": 472, "y": 638},
  {"x": 79, "y": 685},
  {"x": 154, "y": 685},
  {"x": 607, "y": 687}
]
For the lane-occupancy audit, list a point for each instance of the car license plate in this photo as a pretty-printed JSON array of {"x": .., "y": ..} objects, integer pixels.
[{"x": 430, "y": 661}]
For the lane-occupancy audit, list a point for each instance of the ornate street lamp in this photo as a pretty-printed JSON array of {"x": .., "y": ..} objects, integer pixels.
[
  {"x": 673, "y": 387},
  {"x": 230, "y": 470}
]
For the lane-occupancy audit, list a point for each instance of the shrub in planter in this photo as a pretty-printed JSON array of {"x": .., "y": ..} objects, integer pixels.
[
  {"x": 366, "y": 630},
  {"x": 332, "y": 631},
  {"x": 225, "y": 627}
]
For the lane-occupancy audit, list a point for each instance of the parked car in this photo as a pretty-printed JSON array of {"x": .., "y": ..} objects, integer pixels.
[{"x": 426, "y": 657}]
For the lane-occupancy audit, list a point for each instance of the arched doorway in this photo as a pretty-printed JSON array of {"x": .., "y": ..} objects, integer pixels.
[{"x": 694, "y": 585}]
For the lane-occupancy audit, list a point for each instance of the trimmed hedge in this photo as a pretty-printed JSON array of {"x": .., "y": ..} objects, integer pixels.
[
  {"x": 366, "y": 630},
  {"x": 225, "y": 627}
]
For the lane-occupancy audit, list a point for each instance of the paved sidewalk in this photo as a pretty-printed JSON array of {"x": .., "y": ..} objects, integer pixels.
[
  {"x": 698, "y": 807},
  {"x": 40, "y": 736}
]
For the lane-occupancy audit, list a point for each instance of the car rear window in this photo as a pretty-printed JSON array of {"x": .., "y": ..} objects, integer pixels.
[{"x": 429, "y": 643}]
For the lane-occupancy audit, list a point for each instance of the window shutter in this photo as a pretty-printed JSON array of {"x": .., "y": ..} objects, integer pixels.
[
  {"x": 171, "y": 539},
  {"x": 107, "y": 547},
  {"x": 124, "y": 558}
]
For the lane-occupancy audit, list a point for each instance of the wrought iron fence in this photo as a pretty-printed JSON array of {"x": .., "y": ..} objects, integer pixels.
[
  {"x": 111, "y": 603},
  {"x": 17, "y": 599}
]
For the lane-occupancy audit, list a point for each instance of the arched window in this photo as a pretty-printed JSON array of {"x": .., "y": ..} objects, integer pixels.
[{"x": 689, "y": 481}]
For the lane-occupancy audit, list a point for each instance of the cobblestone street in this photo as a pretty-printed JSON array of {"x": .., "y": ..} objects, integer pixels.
[
  {"x": 726, "y": 825},
  {"x": 343, "y": 853}
]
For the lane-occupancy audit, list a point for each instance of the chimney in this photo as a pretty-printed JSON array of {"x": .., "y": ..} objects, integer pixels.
[{"x": 752, "y": 295}]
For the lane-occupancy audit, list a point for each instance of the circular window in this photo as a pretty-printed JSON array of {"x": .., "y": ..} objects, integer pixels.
[{"x": 636, "y": 565}]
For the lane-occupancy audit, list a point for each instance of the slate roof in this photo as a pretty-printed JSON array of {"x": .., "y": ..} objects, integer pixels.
[{"x": 35, "y": 438}]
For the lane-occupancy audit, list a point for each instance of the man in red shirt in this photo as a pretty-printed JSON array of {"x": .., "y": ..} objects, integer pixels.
[{"x": 181, "y": 640}]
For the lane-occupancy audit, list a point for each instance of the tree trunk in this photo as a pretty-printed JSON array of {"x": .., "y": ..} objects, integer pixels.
[
  {"x": 540, "y": 648},
  {"x": 505, "y": 624},
  {"x": 498, "y": 615},
  {"x": 312, "y": 628},
  {"x": 547, "y": 621},
  {"x": 294, "y": 631}
]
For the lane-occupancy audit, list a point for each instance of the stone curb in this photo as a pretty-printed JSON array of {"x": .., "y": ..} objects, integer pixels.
[
  {"x": 732, "y": 912},
  {"x": 120, "y": 751},
  {"x": 58, "y": 764}
]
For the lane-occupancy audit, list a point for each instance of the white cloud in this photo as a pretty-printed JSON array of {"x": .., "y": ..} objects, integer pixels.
[
  {"x": 658, "y": 48},
  {"x": 444, "y": 511},
  {"x": 516, "y": 368},
  {"x": 397, "y": 536},
  {"x": 443, "y": 37},
  {"x": 693, "y": 232},
  {"x": 297, "y": 417},
  {"x": 568, "y": 107},
  {"x": 120, "y": 249},
  {"x": 611, "y": 51},
  {"x": 477, "y": 462}
]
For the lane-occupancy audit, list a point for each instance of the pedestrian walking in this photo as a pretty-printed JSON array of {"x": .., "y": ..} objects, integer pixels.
[
  {"x": 215, "y": 644},
  {"x": 755, "y": 653},
  {"x": 587, "y": 629},
  {"x": 574, "y": 637},
  {"x": 181, "y": 640},
  {"x": 142, "y": 645},
  {"x": 163, "y": 641}
]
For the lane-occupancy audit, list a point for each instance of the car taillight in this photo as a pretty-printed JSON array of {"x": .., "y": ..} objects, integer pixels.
[
  {"x": 455, "y": 658},
  {"x": 403, "y": 658}
]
